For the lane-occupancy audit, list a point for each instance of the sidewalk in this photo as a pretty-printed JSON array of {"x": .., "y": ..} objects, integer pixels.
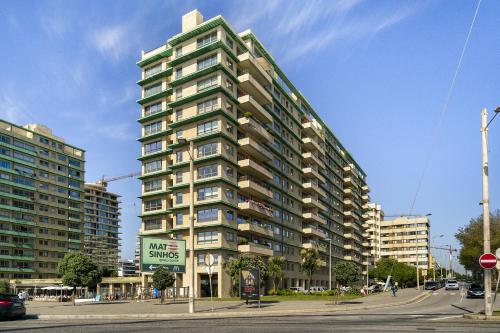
[{"x": 179, "y": 310}]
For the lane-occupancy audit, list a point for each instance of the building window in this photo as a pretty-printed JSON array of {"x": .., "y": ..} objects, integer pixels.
[
  {"x": 208, "y": 149},
  {"x": 179, "y": 218},
  {"x": 207, "y": 215},
  {"x": 178, "y": 177},
  {"x": 152, "y": 166},
  {"x": 230, "y": 215},
  {"x": 178, "y": 156},
  {"x": 208, "y": 127},
  {"x": 208, "y": 193},
  {"x": 178, "y": 114},
  {"x": 207, "y": 62},
  {"x": 152, "y": 90},
  {"x": 207, "y": 39},
  {"x": 152, "y": 147},
  {"x": 178, "y": 93},
  {"x": 207, "y": 83},
  {"x": 152, "y": 185},
  {"x": 229, "y": 193},
  {"x": 208, "y": 237},
  {"x": 150, "y": 71},
  {"x": 152, "y": 109},
  {"x": 153, "y": 128},
  {"x": 229, "y": 236},
  {"x": 178, "y": 52},
  {"x": 208, "y": 105},
  {"x": 152, "y": 224},
  {"x": 178, "y": 73},
  {"x": 150, "y": 205},
  {"x": 179, "y": 134},
  {"x": 178, "y": 198},
  {"x": 207, "y": 171}
]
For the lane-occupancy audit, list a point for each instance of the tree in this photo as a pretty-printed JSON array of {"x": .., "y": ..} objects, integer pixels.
[
  {"x": 346, "y": 273},
  {"x": 106, "y": 272},
  {"x": 4, "y": 286},
  {"x": 236, "y": 264},
  {"x": 276, "y": 272},
  {"x": 310, "y": 263},
  {"x": 403, "y": 274},
  {"x": 78, "y": 270},
  {"x": 162, "y": 279},
  {"x": 471, "y": 241}
]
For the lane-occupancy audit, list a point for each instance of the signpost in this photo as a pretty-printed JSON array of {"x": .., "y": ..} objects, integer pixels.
[
  {"x": 209, "y": 262},
  {"x": 497, "y": 253},
  {"x": 250, "y": 284},
  {"x": 163, "y": 252},
  {"x": 488, "y": 261}
]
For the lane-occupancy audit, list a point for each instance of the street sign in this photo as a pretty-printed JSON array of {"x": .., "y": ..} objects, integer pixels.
[
  {"x": 488, "y": 261},
  {"x": 249, "y": 284},
  {"x": 209, "y": 259},
  {"x": 163, "y": 252}
]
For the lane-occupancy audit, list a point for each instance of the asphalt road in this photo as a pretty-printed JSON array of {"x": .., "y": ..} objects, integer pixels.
[{"x": 438, "y": 313}]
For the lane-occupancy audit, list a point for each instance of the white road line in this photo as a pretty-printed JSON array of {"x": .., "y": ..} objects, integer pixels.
[{"x": 449, "y": 317}]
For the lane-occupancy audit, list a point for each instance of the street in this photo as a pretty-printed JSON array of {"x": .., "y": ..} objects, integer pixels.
[{"x": 440, "y": 312}]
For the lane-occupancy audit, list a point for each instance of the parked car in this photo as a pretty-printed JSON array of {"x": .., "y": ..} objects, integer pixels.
[
  {"x": 11, "y": 306},
  {"x": 475, "y": 291},
  {"x": 433, "y": 285},
  {"x": 451, "y": 285},
  {"x": 375, "y": 288},
  {"x": 297, "y": 289},
  {"x": 315, "y": 289}
]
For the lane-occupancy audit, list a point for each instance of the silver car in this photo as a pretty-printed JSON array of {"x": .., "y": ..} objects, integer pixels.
[{"x": 451, "y": 285}]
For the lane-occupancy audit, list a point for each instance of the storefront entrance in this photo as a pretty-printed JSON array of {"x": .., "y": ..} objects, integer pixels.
[{"x": 205, "y": 285}]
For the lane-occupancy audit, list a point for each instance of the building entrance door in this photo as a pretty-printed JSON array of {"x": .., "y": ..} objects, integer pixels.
[{"x": 205, "y": 286}]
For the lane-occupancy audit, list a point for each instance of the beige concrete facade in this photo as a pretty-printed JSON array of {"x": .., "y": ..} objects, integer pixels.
[
  {"x": 269, "y": 177},
  {"x": 41, "y": 201},
  {"x": 102, "y": 224},
  {"x": 405, "y": 239},
  {"x": 372, "y": 217}
]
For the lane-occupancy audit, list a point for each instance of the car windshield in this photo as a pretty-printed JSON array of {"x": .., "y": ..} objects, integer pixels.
[
  {"x": 476, "y": 286},
  {"x": 450, "y": 281}
]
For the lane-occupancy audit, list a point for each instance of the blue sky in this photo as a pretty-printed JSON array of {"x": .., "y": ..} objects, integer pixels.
[{"x": 376, "y": 71}]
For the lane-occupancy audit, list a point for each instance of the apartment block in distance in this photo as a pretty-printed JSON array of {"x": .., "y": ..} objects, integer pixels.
[
  {"x": 372, "y": 223},
  {"x": 41, "y": 201},
  {"x": 406, "y": 239},
  {"x": 102, "y": 226},
  {"x": 270, "y": 178}
]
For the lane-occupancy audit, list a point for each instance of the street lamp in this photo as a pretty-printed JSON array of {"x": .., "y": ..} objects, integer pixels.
[
  {"x": 434, "y": 267},
  {"x": 330, "y": 264},
  {"x": 182, "y": 140},
  {"x": 417, "y": 263},
  {"x": 488, "y": 306}
]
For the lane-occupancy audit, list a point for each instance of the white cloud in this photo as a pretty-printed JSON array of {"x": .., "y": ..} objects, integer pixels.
[
  {"x": 11, "y": 111},
  {"x": 111, "y": 41}
]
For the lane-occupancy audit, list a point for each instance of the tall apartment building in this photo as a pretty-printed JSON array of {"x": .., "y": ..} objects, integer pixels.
[
  {"x": 102, "y": 225},
  {"x": 41, "y": 201},
  {"x": 406, "y": 239},
  {"x": 270, "y": 178},
  {"x": 372, "y": 223}
]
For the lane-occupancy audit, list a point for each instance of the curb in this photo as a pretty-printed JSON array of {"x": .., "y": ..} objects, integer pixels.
[
  {"x": 219, "y": 315},
  {"x": 481, "y": 317}
]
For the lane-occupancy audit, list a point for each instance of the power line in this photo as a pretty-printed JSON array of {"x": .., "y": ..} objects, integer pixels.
[{"x": 439, "y": 124}]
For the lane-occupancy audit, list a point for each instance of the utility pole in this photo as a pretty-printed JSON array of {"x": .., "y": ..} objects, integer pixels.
[
  {"x": 330, "y": 265},
  {"x": 488, "y": 308},
  {"x": 191, "y": 226}
]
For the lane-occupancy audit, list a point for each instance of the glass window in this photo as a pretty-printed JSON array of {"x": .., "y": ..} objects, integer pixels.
[
  {"x": 152, "y": 90},
  {"x": 207, "y": 171},
  {"x": 207, "y": 39},
  {"x": 178, "y": 177},
  {"x": 150, "y": 71},
  {"x": 207, "y": 83},
  {"x": 153, "y": 128},
  {"x": 152, "y": 147},
  {"x": 178, "y": 52},
  {"x": 178, "y": 93},
  {"x": 208, "y": 193},
  {"x": 230, "y": 215},
  {"x": 229, "y": 236},
  {"x": 152, "y": 166},
  {"x": 207, "y": 62},
  {"x": 208, "y": 127},
  {"x": 207, "y": 149},
  {"x": 152, "y": 185},
  {"x": 152, "y": 224},
  {"x": 152, "y": 109},
  {"x": 208, "y": 105},
  {"x": 207, "y": 215},
  {"x": 150, "y": 205},
  {"x": 178, "y": 198},
  {"x": 179, "y": 218},
  {"x": 178, "y": 73}
]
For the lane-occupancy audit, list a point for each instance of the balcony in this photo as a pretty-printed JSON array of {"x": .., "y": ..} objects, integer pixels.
[
  {"x": 254, "y": 88},
  {"x": 311, "y": 231},
  {"x": 365, "y": 188},
  {"x": 256, "y": 130},
  {"x": 311, "y": 158},
  {"x": 349, "y": 181},
  {"x": 314, "y": 217},
  {"x": 311, "y": 187},
  {"x": 365, "y": 198},
  {"x": 252, "y": 188},
  {"x": 311, "y": 129},
  {"x": 348, "y": 192},
  {"x": 256, "y": 229},
  {"x": 256, "y": 208},
  {"x": 252, "y": 168},
  {"x": 311, "y": 172},
  {"x": 256, "y": 249},
  {"x": 248, "y": 62},
  {"x": 254, "y": 149},
  {"x": 312, "y": 145},
  {"x": 313, "y": 202},
  {"x": 349, "y": 170},
  {"x": 310, "y": 245},
  {"x": 249, "y": 104}
]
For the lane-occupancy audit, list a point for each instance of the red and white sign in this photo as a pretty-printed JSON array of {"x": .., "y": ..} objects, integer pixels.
[{"x": 488, "y": 261}]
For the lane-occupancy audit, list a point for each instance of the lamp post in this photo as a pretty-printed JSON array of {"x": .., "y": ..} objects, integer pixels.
[
  {"x": 488, "y": 306},
  {"x": 434, "y": 267},
  {"x": 191, "y": 222},
  {"x": 416, "y": 254},
  {"x": 330, "y": 264}
]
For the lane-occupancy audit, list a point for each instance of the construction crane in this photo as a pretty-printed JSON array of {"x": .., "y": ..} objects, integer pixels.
[
  {"x": 104, "y": 181},
  {"x": 450, "y": 250}
]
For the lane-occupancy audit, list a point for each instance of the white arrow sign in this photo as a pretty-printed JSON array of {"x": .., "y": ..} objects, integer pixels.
[{"x": 151, "y": 267}]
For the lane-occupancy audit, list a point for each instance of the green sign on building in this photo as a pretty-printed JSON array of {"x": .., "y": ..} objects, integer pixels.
[{"x": 163, "y": 252}]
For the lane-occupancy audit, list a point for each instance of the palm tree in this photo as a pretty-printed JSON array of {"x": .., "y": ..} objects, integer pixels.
[
  {"x": 275, "y": 270},
  {"x": 310, "y": 263}
]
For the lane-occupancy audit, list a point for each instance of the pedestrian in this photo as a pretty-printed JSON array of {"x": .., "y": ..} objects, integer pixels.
[
  {"x": 394, "y": 290},
  {"x": 21, "y": 295}
]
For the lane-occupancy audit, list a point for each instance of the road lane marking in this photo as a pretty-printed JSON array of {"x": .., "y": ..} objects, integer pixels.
[{"x": 442, "y": 318}]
